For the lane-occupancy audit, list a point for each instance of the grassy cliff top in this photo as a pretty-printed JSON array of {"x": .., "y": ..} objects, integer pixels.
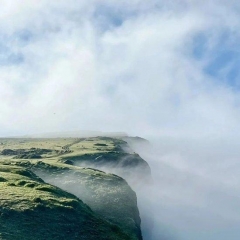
[
  {"x": 33, "y": 209},
  {"x": 73, "y": 165}
]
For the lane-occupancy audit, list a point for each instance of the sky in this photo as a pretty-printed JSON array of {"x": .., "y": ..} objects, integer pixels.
[
  {"x": 164, "y": 70},
  {"x": 145, "y": 68}
]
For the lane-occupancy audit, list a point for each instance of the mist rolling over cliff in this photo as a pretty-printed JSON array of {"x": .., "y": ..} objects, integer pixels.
[
  {"x": 78, "y": 73},
  {"x": 165, "y": 189},
  {"x": 196, "y": 188},
  {"x": 60, "y": 178}
]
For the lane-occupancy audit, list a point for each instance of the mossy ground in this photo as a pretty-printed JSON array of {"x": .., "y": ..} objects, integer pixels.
[
  {"x": 32, "y": 209},
  {"x": 115, "y": 214}
]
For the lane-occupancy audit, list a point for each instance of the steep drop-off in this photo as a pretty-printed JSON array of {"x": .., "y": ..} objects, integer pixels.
[
  {"x": 30, "y": 209},
  {"x": 100, "y": 204}
]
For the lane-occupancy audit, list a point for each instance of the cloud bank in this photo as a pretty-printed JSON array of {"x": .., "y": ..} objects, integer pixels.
[{"x": 143, "y": 68}]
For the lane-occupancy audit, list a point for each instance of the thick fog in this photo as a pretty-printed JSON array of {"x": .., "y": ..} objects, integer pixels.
[{"x": 196, "y": 192}]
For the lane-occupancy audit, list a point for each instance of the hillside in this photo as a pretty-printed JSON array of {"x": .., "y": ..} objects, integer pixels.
[{"x": 61, "y": 186}]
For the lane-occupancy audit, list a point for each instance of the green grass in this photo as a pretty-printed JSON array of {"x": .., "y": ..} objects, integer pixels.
[
  {"x": 28, "y": 202},
  {"x": 32, "y": 209}
]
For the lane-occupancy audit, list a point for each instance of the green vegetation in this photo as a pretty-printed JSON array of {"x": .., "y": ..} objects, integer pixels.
[
  {"x": 32, "y": 209},
  {"x": 38, "y": 178}
]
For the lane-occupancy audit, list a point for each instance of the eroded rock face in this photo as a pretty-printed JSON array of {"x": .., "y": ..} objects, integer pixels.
[{"x": 30, "y": 209}]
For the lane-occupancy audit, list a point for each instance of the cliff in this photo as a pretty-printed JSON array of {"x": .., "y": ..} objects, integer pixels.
[{"x": 57, "y": 187}]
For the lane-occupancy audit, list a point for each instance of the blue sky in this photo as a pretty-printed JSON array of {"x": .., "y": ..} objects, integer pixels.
[
  {"x": 223, "y": 57},
  {"x": 165, "y": 70}
]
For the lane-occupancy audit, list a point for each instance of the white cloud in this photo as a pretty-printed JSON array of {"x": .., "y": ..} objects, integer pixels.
[{"x": 140, "y": 74}]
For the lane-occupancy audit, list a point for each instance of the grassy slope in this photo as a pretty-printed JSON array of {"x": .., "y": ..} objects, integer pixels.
[
  {"x": 108, "y": 195},
  {"x": 32, "y": 209}
]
